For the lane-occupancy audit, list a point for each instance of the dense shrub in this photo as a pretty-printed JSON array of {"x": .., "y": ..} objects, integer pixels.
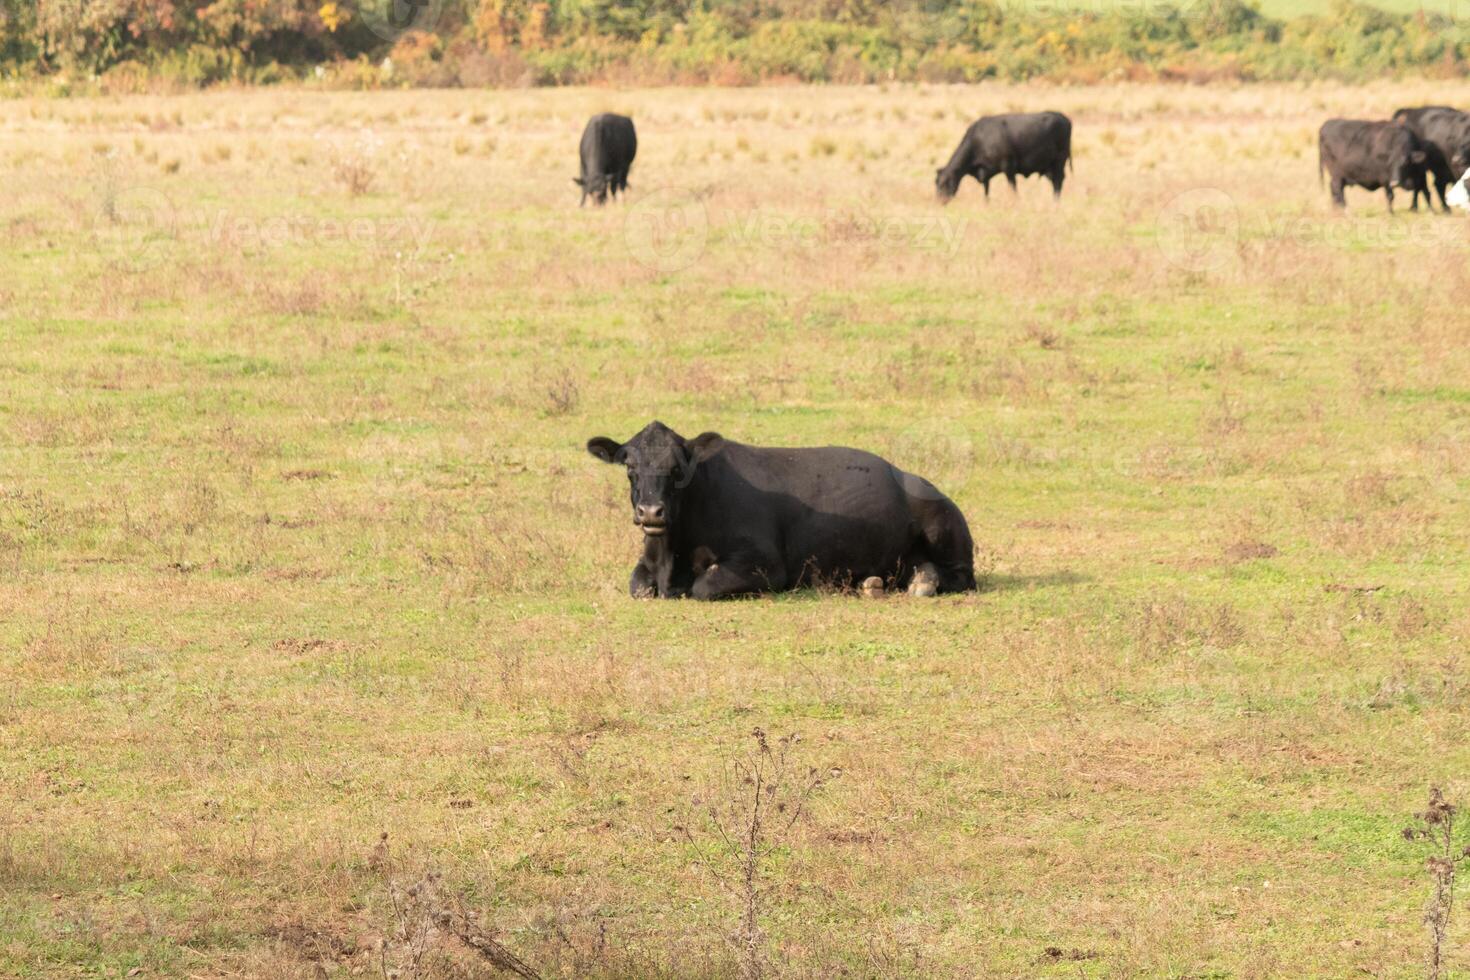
[{"x": 134, "y": 43}]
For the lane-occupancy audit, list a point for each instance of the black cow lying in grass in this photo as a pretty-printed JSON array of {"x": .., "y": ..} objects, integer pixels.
[
  {"x": 724, "y": 519},
  {"x": 609, "y": 144},
  {"x": 1015, "y": 144},
  {"x": 1370, "y": 155}
]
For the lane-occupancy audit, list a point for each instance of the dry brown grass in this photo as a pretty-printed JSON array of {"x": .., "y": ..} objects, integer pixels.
[{"x": 298, "y": 546}]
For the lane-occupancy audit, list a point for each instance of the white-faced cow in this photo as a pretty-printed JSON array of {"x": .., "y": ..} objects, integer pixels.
[
  {"x": 1016, "y": 144},
  {"x": 1369, "y": 155},
  {"x": 723, "y": 519},
  {"x": 1444, "y": 136},
  {"x": 609, "y": 144}
]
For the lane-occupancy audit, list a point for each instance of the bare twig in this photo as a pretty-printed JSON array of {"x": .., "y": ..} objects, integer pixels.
[
  {"x": 423, "y": 914},
  {"x": 766, "y": 795},
  {"x": 1436, "y": 826}
]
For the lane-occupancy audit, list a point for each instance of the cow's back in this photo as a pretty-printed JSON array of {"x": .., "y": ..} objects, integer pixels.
[
  {"x": 823, "y": 509},
  {"x": 1026, "y": 142},
  {"x": 1363, "y": 152},
  {"x": 1421, "y": 119},
  {"x": 609, "y": 144},
  {"x": 834, "y": 479}
]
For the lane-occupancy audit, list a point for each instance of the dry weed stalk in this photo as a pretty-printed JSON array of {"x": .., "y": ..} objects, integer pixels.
[
  {"x": 765, "y": 795},
  {"x": 355, "y": 166},
  {"x": 1436, "y": 826},
  {"x": 423, "y": 916}
]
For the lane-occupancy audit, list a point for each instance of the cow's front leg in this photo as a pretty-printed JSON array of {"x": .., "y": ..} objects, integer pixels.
[
  {"x": 1441, "y": 187},
  {"x": 661, "y": 580},
  {"x": 725, "y": 579},
  {"x": 643, "y": 584}
]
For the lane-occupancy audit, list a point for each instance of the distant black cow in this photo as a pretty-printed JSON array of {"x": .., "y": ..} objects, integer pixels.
[
  {"x": 1444, "y": 136},
  {"x": 1369, "y": 155},
  {"x": 609, "y": 145},
  {"x": 723, "y": 519},
  {"x": 1021, "y": 143}
]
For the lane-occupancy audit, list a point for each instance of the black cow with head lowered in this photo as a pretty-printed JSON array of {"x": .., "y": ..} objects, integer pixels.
[
  {"x": 609, "y": 144},
  {"x": 1016, "y": 144},
  {"x": 1444, "y": 136},
  {"x": 720, "y": 519},
  {"x": 1369, "y": 155}
]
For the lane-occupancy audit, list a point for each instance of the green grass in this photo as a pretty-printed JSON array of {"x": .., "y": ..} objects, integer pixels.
[{"x": 299, "y": 545}]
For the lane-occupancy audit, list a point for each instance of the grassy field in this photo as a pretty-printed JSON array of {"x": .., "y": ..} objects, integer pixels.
[{"x": 308, "y": 588}]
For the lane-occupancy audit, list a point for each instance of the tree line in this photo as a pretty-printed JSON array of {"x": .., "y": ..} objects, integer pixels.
[{"x": 129, "y": 44}]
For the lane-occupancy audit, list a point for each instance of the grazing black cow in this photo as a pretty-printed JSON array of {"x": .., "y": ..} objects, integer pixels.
[
  {"x": 609, "y": 145},
  {"x": 1020, "y": 143},
  {"x": 1369, "y": 155},
  {"x": 723, "y": 519},
  {"x": 1444, "y": 136}
]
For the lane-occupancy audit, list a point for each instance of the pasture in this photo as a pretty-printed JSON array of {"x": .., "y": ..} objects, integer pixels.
[{"x": 299, "y": 546}]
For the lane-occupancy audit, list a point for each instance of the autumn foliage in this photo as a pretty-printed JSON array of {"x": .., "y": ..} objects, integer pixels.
[{"x": 523, "y": 42}]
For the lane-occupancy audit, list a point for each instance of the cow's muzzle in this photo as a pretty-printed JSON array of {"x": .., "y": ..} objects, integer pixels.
[{"x": 651, "y": 518}]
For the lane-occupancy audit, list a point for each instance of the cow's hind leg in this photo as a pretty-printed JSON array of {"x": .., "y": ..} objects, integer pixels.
[
  {"x": 1388, "y": 190},
  {"x": 1057, "y": 176},
  {"x": 925, "y": 580},
  {"x": 1338, "y": 200},
  {"x": 944, "y": 550}
]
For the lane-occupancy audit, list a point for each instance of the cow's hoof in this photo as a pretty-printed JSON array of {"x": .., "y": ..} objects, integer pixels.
[
  {"x": 925, "y": 582},
  {"x": 873, "y": 587},
  {"x": 646, "y": 592}
]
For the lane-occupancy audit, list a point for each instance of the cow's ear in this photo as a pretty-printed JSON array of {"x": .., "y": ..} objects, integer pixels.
[
  {"x": 703, "y": 446},
  {"x": 605, "y": 449},
  {"x": 579, "y": 182}
]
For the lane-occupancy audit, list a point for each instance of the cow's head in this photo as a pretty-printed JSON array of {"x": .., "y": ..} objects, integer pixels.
[
  {"x": 595, "y": 186},
  {"x": 946, "y": 184},
  {"x": 661, "y": 466},
  {"x": 1460, "y": 159}
]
